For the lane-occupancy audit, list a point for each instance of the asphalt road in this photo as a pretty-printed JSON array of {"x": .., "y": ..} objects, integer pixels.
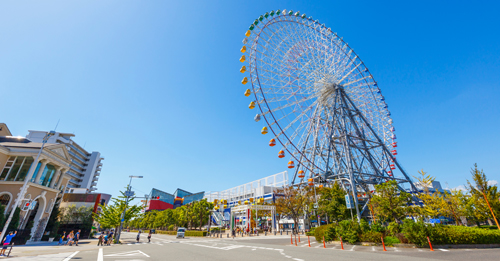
[{"x": 164, "y": 247}]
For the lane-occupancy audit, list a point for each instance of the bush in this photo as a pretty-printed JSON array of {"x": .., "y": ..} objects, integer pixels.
[
  {"x": 325, "y": 231},
  {"x": 417, "y": 232},
  {"x": 371, "y": 236},
  {"x": 377, "y": 227},
  {"x": 393, "y": 228},
  {"x": 390, "y": 241},
  {"x": 365, "y": 227},
  {"x": 331, "y": 232},
  {"x": 349, "y": 231},
  {"x": 171, "y": 228},
  {"x": 195, "y": 233}
]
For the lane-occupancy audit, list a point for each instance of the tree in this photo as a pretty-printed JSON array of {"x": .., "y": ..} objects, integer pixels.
[
  {"x": 390, "y": 202},
  {"x": 482, "y": 189},
  {"x": 110, "y": 215},
  {"x": 53, "y": 223},
  {"x": 332, "y": 202},
  {"x": 434, "y": 203},
  {"x": 14, "y": 223},
  {"x": 293, "y": 203}
]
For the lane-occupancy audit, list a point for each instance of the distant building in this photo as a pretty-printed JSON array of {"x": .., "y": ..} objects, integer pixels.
[
  {"x": 161, "y": 200},
  {"x": 85, "y": 167}
]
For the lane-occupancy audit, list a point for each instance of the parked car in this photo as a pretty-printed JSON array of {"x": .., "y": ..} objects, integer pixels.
[
  {"x": 153, "y": 231},
  {"x": 180, "y": 232}
]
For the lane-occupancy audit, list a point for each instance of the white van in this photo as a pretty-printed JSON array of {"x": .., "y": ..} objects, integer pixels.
[{"x": 180, "y": 232}]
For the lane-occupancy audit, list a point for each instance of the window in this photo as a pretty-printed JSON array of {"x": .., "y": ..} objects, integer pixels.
[
  {"x": 8, "y": 166},
  {"x": 24, "y": 169},
  {"x": 4, "y": 199},
  {"x": 15, "y": 168},
  {"x": 47, "y": 174}
]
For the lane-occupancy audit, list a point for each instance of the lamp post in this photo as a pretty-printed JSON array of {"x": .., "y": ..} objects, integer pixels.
[
  {"x": 25, "y": 185},
  {"x": 128, "y": 194}
]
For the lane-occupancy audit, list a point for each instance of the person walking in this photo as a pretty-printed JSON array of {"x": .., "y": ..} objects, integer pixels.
[
  {"x": 149, "y": 237},
  {"x": 71, "y": 236},
  {"x": 138, "y": 236},
  {"x": 99, "y": 239},
  {"x": 106, "y": 239},
  {"x": 61, "y": 239},
  {"x": 6, "y": 242},
  {"x": 77, "y": 237}
]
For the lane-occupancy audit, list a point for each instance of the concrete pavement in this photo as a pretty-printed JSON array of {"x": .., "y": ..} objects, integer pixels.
[{"x": 165, "y": 247}]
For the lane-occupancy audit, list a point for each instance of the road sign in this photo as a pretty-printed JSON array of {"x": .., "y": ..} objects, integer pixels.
[
  {"x": 129, "y": 193},
  {"x": 348, "y": 202},
  {"x": 315, "y": 205},
  {"x": 123, "y": 220}
]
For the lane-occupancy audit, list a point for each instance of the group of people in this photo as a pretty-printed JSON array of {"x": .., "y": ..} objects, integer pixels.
[
  {"x": 70, "y": 238},
  {"x": 105, "y": 239}
]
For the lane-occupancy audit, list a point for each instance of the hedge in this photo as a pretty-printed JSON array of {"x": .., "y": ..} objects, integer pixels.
[
  {"x": 189, "y": 233},
  {"x": 408, "y": 232}
]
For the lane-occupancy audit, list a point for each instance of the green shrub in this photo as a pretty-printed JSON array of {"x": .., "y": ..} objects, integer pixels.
[
  {"x": 311, "y": 234},
  {"x": 331, "y": 232},
  {"x": 393, "y": 228},
  {"x": 319, "y": 232},
  {"x": 377, "y": 227},
  {"x": 171, "y": 228},
  {"x": 195, "y": 233},
  {"x": 365, "y": 227},
  {"x": 415, "y": 232},
  {"x": 349, "y": 231},
  {"x": 390, "y": 241},
  {"x": 371, "y": 236}
]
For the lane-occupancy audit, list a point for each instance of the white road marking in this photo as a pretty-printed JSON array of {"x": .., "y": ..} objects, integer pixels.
[
  {"x": 143, "y": 253},
  {"x": 446, "y": 250},
  {"x": 373, "y": 248},
  {"x": 396, "y": 249},
  {"x": 71, "y": 256},
  {"x": 352, "y": 249},
  {"x": 99, "y": 255},
  {"x": 317, "y": 246}
]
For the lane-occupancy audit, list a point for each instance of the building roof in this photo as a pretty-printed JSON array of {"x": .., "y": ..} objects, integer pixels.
[{"x": 4, "y": 130}]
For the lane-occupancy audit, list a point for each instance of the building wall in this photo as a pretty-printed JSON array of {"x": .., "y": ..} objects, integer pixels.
[{"x": 85, "y": 167}]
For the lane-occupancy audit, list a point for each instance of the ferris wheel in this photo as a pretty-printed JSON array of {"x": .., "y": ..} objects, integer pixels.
[{"x": 319, "y": 102}]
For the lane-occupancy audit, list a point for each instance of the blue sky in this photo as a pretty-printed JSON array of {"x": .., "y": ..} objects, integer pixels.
[{"x": 154, "y": 85}]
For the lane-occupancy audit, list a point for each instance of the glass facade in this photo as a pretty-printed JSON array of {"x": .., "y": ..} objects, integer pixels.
[
  {"x": 15, "y": 168},
  {"x": 47, "y": 175},
  {"x": 24, "y": 169}
]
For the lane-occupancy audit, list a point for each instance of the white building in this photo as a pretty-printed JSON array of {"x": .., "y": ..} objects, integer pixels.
[{"x": 85, "y": 167}]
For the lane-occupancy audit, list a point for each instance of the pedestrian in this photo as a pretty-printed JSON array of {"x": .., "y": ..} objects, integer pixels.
[
  {"x": 61, "y": 239},
  {"x": 138, "y": 236},
  {"x": 149, "y": 237},
  {"x": 106, "y": 239},
  {"x": 77, "y": 237},
  {"x": 6, "y": 242},
  {"x": 71, "y": 235},
  {"x": 110, "y": 237},
  {"x": 100, "y": 238}
]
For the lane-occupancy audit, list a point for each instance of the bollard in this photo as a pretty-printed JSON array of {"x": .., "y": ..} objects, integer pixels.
[
  {"x": 295, "y": 240},
  {"x": 430, "y": 245},
  {"x": 281, "y": 232},
  {"x": 10, "y": 249},
  {"x": 287, "y": 232},
  {"x": 265, "y": 233},
  {"x": 291, "y": 239},
  {"x": 383, "y": 243},
  {"x": 341, "y": 244},
  {"x": 299, "y": 238},
  {"x": 309, "y": 241},
  {"x": 324, "y": 244},
  {"x": 227, "y": 235}
]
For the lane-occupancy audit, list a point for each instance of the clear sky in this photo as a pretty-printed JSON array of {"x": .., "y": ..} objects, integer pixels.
[{"x": 154, "y": 85}]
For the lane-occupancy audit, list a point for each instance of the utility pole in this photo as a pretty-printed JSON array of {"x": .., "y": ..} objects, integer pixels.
[{"x": 128, "y": 194}]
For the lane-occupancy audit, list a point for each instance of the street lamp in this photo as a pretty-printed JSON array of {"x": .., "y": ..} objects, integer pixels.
[
  {"x": 129, "y": 193},
  {"x": 25, "y": 185}
]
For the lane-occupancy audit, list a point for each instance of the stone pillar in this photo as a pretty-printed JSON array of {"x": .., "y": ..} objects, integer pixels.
[
  {"x": 60, "y": 178},
  {"x": 38, "y": 175},
  {"x": 55, "y": 177}
]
